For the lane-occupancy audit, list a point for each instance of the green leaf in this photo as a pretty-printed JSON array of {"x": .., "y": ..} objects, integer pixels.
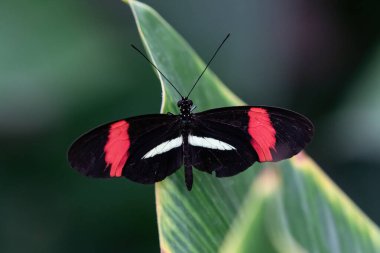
[
  {"x": 300, "y": 210},
  {"x": 290, "y": 207}
]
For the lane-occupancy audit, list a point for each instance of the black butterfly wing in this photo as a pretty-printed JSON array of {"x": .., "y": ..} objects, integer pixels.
[
  {"x": 144, "y": 149},
  {"x": 260, "y": 134},
  {"x": 236, "y": 157}
]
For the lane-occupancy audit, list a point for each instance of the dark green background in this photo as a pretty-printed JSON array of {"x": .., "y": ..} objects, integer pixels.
[{"x": 66, "y": 66}]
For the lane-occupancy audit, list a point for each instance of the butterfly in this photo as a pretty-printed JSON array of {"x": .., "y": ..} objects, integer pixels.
[{"x": 225, "y": 141}]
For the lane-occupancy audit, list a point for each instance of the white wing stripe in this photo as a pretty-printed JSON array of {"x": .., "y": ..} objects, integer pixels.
[
  {"x": 164, "y": 147},
  {"x": 207, "y": 142}
]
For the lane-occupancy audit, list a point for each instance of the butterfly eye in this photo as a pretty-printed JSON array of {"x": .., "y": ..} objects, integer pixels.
[
  {"x": 179, "y": 103},
  {"x": 190, "y": 102}
]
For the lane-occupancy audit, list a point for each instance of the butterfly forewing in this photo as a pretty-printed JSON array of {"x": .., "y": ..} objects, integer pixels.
[
  {"x": 144, "y": 149},
  {"x": 257, "y": 134},
  {"x": 292, "y": 132}
]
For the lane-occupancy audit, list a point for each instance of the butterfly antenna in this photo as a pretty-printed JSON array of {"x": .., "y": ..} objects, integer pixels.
[
  {"x": 212, "y": 58},
  {"x": 146, "y": 58}
]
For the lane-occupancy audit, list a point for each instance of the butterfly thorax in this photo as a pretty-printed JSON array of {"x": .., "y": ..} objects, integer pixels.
[{"x": 185, "y": 109}]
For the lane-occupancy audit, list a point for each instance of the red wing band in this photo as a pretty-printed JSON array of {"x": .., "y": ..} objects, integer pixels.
[
  {"x": 263, "y": 134},
  {"x": 116, "y": 148}
]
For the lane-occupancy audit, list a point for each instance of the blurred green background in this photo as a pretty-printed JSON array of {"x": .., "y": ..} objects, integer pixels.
[{"x": 66, "y": 67}]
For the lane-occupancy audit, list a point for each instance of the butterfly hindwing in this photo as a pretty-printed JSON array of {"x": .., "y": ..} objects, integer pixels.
[
  {"x": 144, "y": 149},
  {"x": 257, "y": 134},
  {"x": 157, "y": 152},
  {"x": 222, "y": 147}
]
